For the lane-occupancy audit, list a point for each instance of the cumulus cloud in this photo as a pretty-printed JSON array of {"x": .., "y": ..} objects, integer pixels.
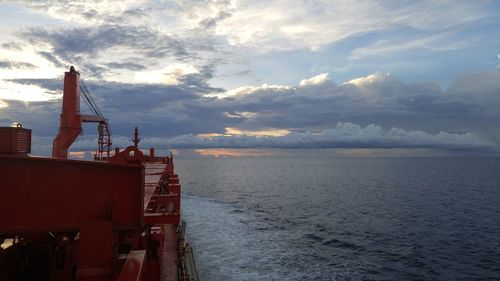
[
  {"x": 470, "y": 105},
  {"x": 318, "y": 79},
  {"x": 343, "y": 135}
]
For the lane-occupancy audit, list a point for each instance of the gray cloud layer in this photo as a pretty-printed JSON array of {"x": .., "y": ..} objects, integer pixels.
[
  {"x": 388, "y": 113},
  {"x": 77, "y": 44},
  {"x": 344, "y": 135}
]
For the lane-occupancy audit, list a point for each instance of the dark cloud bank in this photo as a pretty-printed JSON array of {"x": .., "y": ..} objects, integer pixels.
[{"x": 378, "y": 111}]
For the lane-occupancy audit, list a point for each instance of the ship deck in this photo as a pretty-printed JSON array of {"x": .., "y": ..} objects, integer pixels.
[{"x": 153, "y": 173}]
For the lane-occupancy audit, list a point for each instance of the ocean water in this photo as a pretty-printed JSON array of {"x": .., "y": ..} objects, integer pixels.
[{"x": 320, "y": 217}]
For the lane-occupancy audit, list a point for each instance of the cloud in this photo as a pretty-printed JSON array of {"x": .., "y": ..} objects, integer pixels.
[
  {"x": 72, "y": 43},
  {"x": 170, "y": 75},
  {"x": 24, "y": 92},
  {"x": 183, "y": 110},
  {"x": 88, "y": 11},
  {"x": 211, "y": 67},
  {"x": 318, "y": 79},
  {"x": 160, "y": 109},
  {"x": 40, "y": 116},
  {"x": 343, "y": 135},
  {"x": 239, "y": 114},
  {"x": 126, "y": 65},
  {"x": 12, "y": 46},
  {"x": 51, "y": 58},
  {"x": 480, "y": 90},
  {"x": 211, "y": 22},
  {"x": 264, "y": 27},
  {"x": 436, "y": 42},
  {"x": 110, "y": 49},
  {"x": 15, "y": 64},
  {"x": 103, "y": 38},
  {"x": 313, "y": 24}
]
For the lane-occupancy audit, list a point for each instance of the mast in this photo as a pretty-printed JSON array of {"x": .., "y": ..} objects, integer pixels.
[{"x": 71, "y": 121}]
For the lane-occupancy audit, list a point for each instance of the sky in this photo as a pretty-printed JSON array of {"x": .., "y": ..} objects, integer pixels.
[{"x": 260, "y": 74}]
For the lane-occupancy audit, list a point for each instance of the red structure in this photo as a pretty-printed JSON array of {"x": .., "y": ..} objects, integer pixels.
[
  {"x": 15, "y": 140},
  {"x": 64, "y": 219},
  {"x": 71, "y": 120}
]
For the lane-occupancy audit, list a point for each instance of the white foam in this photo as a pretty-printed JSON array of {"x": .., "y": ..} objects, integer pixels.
[{"x": 228, "y": 244}]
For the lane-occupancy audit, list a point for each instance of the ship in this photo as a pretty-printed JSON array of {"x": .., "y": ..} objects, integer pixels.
[{"x": 116, "y": 217}]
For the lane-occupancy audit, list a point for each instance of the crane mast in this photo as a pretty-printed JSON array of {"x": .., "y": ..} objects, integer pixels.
[{"x": 71, "y": 119}]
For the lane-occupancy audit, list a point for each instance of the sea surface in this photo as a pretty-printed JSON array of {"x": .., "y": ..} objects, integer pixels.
[{"x": 314, "y": 216}]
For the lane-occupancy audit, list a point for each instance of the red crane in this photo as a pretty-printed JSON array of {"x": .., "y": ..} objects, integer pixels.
[{"x": 71, "y": 119}]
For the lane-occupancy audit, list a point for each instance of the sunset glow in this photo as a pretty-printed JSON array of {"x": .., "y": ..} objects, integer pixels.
[
  {"x": 233, "y": 152},
  {"x": 260, "y": 133}
]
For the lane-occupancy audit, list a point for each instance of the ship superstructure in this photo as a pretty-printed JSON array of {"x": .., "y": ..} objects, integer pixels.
[{"x": 116, "y": 218}]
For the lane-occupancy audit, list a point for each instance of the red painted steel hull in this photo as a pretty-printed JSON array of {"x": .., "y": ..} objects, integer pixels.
[
  {"x": 60, "y": 195},
  {"x": 113, "y": 220}
]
